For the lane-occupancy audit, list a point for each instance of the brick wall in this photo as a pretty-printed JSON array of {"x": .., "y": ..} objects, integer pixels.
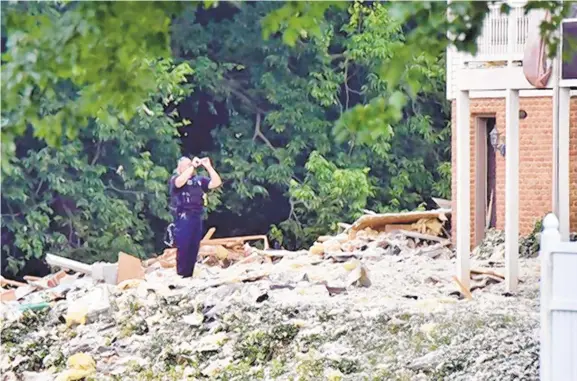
[{"x": 535, "y": 166}]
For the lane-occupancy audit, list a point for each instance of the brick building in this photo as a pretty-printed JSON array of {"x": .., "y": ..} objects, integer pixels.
[
  {"x": 487, "y": 164},
  {"x": 514, "y": 138}
]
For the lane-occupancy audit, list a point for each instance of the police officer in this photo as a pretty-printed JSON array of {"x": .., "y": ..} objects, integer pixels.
[{"x": 187, "y": 191}]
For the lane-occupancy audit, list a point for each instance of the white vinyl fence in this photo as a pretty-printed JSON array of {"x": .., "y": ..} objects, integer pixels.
[{"x": 558, "y": 356}]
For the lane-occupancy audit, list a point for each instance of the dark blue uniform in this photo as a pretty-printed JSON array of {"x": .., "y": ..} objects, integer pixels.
[{"x": 187, "y": 207}]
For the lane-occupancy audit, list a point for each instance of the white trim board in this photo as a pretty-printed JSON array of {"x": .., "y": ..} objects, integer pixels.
[
  {"x": 522, "y": 94},
  {"x": 492, "y": 78}
]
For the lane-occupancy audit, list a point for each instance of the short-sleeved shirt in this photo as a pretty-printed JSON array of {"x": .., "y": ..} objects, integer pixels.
[{"x": 188, "y": 198}]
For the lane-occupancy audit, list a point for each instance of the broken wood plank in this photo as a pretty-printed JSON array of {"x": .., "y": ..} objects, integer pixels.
[
  {"x": 379, "y": 221},
  {"x": 464, "y": 290},
  {"x": 324, "y": 238},
  {"x": 487, "y": 272},
  {"x": 166, "y": 255},
  {"x": 396, "y": 227},
  {"x": 426, "y": 237},
  {"x": 150, "y": 261},
  {"x": 442, "y": 203},
  {"x": 209, "y": 234},
  {"x": 65, "y": 263},
  {"x": 8, "y": 296},
  {"x": 166, "y": 264},
  {"x": 9, "y": 282},
  {"x": 238, "y": 238},
  {"x": 235, "y": 240}
]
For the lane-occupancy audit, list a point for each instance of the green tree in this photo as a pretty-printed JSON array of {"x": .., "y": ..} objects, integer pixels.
[
  {"x": 103, "y": 48},
  {"x": 282, "y": 102},
  {"x": 283, "y": 160},
  {"x": 99, "y": 193}
]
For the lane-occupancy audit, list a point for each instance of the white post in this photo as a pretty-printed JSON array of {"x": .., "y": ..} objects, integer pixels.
[
  {"x": 511, "y": 36},
  {"x": 563, "y": 165},
  {"x": 549, "y": 237},
  {"x": 463, "y": 131},
  {"x": 555, "y": 200},
  {"x": 512, "y": 191}
]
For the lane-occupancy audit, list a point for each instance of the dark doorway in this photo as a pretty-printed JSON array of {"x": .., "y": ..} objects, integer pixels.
[
  {"x": 491, "y": 220},
  {"x": 485, "y": 178}
]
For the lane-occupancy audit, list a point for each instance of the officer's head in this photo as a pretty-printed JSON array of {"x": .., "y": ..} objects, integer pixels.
[{"x": 183, "y": 164}]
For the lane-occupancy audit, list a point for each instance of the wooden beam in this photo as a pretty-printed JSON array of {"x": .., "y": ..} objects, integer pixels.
[
  {"x": 463, "y": 131},
  {"x": 487, "y": 272},
  {"x": 463, "y": 289},
  {"x": 209, "y": 234},
  {"x": 9, "y": 282},
  {"x": 240, "y": 239},
  {"x": 512, "y": 190},
  {"x": 426, "y": 237}
]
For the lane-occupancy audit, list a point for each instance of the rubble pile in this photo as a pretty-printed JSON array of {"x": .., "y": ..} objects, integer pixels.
[
  {"x": 366, "y": 304},
  {"x": 493, "y": 245}
]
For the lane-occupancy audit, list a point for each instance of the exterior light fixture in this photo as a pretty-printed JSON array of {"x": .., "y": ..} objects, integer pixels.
[
  {"x": 522, "y": 114},
  {"x": 497, "y": 141}
]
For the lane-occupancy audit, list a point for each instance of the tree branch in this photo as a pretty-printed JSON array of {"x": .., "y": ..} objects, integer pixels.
[
  {"x": 347, "y": 84},
  {"x": 235, "y": 89},
  {"x": 258, "y": 133},
  {"x": 293, "y": 215},
  {"x": 97, "y": 154},
  {"x": 39, "y": 186},
  {"x": 30, "y": 209},
  {"x": 110, "y": 186}
]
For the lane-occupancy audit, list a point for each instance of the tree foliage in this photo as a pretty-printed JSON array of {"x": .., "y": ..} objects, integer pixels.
[
  {"x": 281, "y": 103},
  {"x": 339, "y": 108},
  {"x": 99, "y": 193},
  {"x": 103, "y": 47}
]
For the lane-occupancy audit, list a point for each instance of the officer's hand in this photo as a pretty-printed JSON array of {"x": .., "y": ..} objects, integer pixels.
[
  {"x": 205, "y": 161},
  {"x": 196, "y": 162}
]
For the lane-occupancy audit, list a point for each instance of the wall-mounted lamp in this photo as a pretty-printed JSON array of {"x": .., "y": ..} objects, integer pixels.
[
  {"x": 497, "y": 141},
  {"x": 522, "y": 114}
]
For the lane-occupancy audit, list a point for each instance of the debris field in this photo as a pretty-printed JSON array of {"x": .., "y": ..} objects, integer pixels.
[{"x": 377, "y": 301}]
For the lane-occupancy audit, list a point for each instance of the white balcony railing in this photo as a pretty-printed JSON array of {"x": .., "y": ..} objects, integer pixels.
[
  {"x": 500, "y": 45},
  {"x": 503, "y": 37}
]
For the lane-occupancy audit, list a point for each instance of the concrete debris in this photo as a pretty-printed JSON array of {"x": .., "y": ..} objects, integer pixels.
[{"x": 376, "y": 306}]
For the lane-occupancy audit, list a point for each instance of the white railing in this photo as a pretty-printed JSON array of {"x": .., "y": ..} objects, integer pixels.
[
  {"x": 501, "y": 44},
  {"x": 503, "y": 37},
  {"x": 558, "y": 354}
]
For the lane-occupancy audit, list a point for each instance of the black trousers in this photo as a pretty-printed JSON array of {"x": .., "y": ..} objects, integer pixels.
[{"x": 188, "y": 231}]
